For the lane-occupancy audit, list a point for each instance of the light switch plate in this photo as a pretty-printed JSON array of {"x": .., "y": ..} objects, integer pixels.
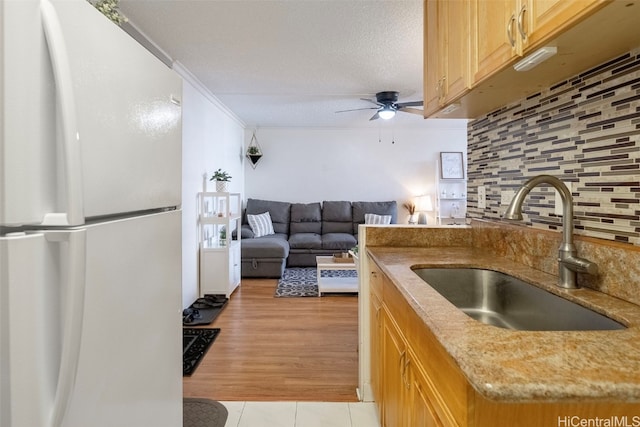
[{"x": 482, "y": 197}]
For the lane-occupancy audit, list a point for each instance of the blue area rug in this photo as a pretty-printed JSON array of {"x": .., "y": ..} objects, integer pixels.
[{"x": 302, "y": 281}]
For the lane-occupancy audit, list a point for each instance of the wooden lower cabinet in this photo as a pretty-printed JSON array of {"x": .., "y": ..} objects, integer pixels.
[
  {"x": 404, "y": 392},
  {"x": 420, "y": 385},
  {"x": 375, "y": 320},
  {"x": 421, "y": 411},
  {"x": 394, "y": 389},
  {"x": 410, "y": 398}
]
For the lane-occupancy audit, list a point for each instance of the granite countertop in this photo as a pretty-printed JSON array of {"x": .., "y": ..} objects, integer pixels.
[{"x": 508, "y": 365}]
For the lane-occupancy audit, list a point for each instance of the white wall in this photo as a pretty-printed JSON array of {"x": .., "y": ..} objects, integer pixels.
[
  {"x": 212, "y": 138},
  {"x": 307, "y": 165},
  {"x": 301, "y": 164}
]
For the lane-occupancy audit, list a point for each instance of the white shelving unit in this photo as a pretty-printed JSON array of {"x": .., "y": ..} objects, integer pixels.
[
  {"x": 451, "y": 199},
  {"x": 220, "y": 216}
]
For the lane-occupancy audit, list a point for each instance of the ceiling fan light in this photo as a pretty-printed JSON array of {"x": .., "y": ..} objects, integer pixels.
[{"x": 386, "y": 113}]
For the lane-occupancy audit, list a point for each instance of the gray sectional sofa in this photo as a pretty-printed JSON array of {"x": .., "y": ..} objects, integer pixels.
[{"x": 303, "y": 231}]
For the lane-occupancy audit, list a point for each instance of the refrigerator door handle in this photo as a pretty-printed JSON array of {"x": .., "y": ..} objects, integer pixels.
[
  {"x": 73, "y": 318},
  {"x": 66, "y": 101}
]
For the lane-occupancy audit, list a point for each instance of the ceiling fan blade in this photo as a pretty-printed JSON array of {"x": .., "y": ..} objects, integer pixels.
[
  {"x": 357, "y": 109},
  {"x": 413, "y": 111},
  {"x": 410, "y": 104},
  {"x": 372, "y": 101},
  {"x": 375, "y": 116}
]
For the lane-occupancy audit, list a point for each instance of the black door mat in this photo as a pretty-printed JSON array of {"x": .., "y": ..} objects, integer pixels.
[
  {"x": 204, "y": 311},
  {"x": 195, "y": 343}
]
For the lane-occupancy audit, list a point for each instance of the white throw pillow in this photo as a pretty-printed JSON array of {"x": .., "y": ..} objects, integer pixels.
[
  {"x": 377, "y": 219},
  {"x": 261, "y": 224}
]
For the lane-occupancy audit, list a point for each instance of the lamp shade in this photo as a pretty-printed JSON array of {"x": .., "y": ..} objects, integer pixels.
[{"x": 423, "y": 203}]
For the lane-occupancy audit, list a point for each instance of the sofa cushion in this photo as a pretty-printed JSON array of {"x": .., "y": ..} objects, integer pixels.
[
  {"x": 337, "y": 217},
  {"x": 261, "y": 224},
  {"x": 273, "y": 246},
  {"x": 379, "y": 208},
  {"x": 338, "y": 241},
  {"x": 306, "y": 218},
  {"x": 245, "y": 232},
  {"x": 280, "y": 213},
  {"x": 305, "y": 241}
]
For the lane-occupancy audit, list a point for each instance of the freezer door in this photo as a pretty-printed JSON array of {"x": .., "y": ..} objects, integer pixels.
[
  {"x": 92, "y": 120},
  {"x": 90, "y": 325}
]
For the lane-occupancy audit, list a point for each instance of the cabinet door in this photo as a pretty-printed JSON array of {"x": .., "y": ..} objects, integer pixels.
[
  {"x": 375, "y": 313},
  {"x": 394, "y": 356},
  {"x": 495, "y": 45},
  {"x": 421, "y": 411},
  {"x": 447, "y": 46},
  {"x": 432, "y": 58},
  {"x": 540, "y": 20},
  {"x": 234, "y": 266},
  {"x": 455, "y": 24}
]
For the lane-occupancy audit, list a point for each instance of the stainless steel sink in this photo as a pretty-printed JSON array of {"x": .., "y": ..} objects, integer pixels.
[{"x": 501, "y": 300}]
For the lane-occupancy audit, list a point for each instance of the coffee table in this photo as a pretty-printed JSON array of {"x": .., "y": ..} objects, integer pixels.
[{"x": 335, "y": 284}]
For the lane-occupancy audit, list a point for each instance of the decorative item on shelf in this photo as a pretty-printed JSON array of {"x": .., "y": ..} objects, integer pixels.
[
  {"x": 423, "y": 204},
  {"x": 254, "y": 153},
  {"x": 451, "y": 165},
  {"x": 411, "y": 208},
  {"x": 342, "y": 257},
  {"x": 222, "y": 237},
  {"x": 221, "y": 178},
  {"x": 207, "y": 236}
]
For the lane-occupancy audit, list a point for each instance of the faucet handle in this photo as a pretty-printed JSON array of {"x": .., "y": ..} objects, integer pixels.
[{"x": 579, "y": 265}]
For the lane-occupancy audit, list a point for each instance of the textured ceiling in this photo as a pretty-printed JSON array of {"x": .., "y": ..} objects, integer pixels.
[{"x": 294, "y": 62}]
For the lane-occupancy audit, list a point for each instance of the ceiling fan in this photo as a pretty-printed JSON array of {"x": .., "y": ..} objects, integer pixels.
[{"x": 387, "y": 105}]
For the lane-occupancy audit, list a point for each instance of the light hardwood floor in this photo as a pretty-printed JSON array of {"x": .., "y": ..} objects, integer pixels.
[{"x": 280, "y": 349}]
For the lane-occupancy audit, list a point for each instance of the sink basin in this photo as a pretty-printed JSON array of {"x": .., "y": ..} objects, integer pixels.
[{"x": 501, "y": 300}]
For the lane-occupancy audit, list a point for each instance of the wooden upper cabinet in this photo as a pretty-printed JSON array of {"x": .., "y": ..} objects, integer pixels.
[
  {"x": 495, "y": 45},
  {"x": 446, "y": 56},
  {"x": 542, "y": 20},
  {"x": 455, "y": 23},
  {"x": 509, "y": 29},
  {"x": 432, "y": 59}
]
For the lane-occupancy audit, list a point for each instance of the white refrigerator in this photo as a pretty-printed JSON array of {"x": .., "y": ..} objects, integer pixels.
[{"x": 90, "y": 223}]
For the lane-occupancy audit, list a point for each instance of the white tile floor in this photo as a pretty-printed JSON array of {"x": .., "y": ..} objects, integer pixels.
[{"x": 301, "y": 414}]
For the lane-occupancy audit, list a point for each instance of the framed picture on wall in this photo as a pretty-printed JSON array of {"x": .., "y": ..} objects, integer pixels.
[{"x": 451, "y": 165}]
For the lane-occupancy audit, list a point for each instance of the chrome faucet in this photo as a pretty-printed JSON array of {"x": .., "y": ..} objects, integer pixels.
[{"x": 568, "y": 263}]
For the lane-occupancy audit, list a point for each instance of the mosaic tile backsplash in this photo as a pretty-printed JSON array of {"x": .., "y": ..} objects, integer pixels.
[{"x": 585, "y": 131}]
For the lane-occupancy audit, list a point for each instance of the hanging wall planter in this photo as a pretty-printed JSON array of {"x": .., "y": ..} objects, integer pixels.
[{"x": 254, "y": 153}]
